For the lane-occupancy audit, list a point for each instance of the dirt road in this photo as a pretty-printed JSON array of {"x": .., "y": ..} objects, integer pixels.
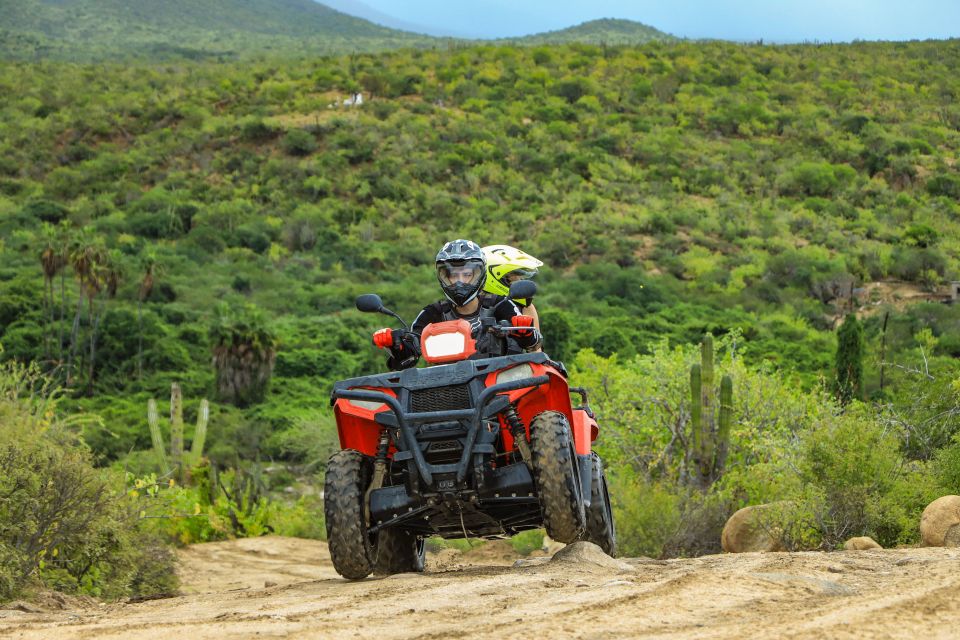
[{"x": 279, "y": 587}]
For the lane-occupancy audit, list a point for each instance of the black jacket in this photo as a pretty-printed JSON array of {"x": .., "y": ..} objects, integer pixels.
[{"x": 500, "y": 308}]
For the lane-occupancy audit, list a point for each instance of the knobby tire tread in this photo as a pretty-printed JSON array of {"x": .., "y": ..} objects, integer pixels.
[
  {"x": 555, "y": 471},
  {"x": 345, "y": 482},
  {"x": 398, "y": 551},
  {"x": 600, "y": 528}
]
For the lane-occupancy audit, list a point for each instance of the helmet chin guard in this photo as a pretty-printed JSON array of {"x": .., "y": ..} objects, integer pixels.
[{"x": 460, "y": 293}]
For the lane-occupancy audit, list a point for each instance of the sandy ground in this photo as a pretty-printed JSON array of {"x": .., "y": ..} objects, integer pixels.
[{"x": 281, "y": 587}]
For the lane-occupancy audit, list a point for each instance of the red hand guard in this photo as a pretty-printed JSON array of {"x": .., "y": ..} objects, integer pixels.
[
  {"x": 522, "y": 321},
  {"x": 383, "y": 338}
]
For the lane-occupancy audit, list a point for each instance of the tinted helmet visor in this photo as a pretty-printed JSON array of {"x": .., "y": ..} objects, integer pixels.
[{"x": 468, "y": 273}]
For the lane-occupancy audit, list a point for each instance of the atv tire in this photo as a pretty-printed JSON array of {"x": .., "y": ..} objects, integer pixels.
[
  {"x": 399, "y": 551},
  {"x": 557, "y": 476},
  {"x": 351, "y": 549},
  {"x": 600, "y": 528}
]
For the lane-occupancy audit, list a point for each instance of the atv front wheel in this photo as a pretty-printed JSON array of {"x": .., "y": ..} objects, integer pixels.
[
  {"x": 351, "y": 549},
  {"x": 600, "y": 528},
  {"x": 557, "y": 476},
  {"x": 399, "y": 551}
]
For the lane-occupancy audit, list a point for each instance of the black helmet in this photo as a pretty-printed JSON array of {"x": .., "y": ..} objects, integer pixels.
[{"x": 461, "y": 270}]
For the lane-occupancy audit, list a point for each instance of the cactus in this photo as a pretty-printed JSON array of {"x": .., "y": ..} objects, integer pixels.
[
  {"x": 154, "y": 421},
  {"x": 710, "y": 433},
  {"x": 199, "y": 435},
  {"x": 177, "y": 457},
  {"x": 176, "y": 430}
]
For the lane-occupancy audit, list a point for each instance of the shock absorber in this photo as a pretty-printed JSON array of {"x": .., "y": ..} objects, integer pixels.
[
  {"x": 519, "y": 432},
  {"x": 379, "y": 469}
]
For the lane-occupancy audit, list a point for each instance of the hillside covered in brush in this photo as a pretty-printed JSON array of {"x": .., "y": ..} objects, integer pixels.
[
  {"x": 153, "y": 218},
  {"x": 145, "y": 29},
  {"x": 607, "y": 31}
]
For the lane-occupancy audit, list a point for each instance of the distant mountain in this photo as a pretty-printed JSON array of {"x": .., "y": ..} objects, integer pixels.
[
  {"x": 92, "y": 30},
  {"x": 605, "y": 31},
  {"x": 96, "y": 29}
]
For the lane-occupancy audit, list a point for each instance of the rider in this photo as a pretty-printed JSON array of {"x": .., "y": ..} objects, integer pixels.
[
  {"x": 506, "y": 265},
  {"x": 462, "y": 271}
]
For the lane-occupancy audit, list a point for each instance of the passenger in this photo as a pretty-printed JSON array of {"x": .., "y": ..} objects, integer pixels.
[
  {"x": 462, "y": 272},
  {"x": 506, "y": 265}
]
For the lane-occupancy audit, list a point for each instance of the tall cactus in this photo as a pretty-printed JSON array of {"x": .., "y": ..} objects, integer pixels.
[
  {"x": 177, "y": 457},
  {"x": 176, "y": 429},
  {"x": 710, "y": 433}
]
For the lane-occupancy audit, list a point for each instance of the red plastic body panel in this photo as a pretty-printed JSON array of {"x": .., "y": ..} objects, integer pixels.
[
  {"x": 585, "y": 431},
  {"x": 356, "y": 426},
  {"x": 552, "y": 396},
  {"x": 451, "y": 326}
]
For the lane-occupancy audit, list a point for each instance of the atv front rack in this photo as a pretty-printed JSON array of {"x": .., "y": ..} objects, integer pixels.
[{"x": 489, "y": 403}]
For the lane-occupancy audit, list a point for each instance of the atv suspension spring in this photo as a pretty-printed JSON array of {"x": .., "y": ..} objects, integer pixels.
[
  {"x": 513, "y": 419},
  {"x": 383, "y": 446},
  {"x": 379, "y": 470},
  {"x": 519, "y": 432}
]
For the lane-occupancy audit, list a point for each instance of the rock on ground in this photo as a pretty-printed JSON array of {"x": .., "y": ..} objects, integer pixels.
[
  {"x": 940, "y": 523},
  {"x": 587, "y": 553},
  {"x": 862, "y": 543},
  {"x": 745, "y": 531}
]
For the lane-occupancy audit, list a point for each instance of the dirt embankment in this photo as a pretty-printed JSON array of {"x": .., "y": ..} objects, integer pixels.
[{"x": 278, "y": 587}]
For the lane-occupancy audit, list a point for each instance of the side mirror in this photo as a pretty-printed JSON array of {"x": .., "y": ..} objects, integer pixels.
[
  {"x": 369, "y": 303},
  {"x": 523, "y": 290}
]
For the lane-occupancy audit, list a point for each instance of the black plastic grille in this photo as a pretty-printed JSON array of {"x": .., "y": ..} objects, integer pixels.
[
  {"x": 440, "y": 398},
  {"x": 445, "y": 445}
]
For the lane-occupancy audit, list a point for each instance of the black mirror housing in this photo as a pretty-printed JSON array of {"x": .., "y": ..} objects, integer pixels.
[
  {"x": 523, "y": 290},
  {"x": 369, "y": 303}
]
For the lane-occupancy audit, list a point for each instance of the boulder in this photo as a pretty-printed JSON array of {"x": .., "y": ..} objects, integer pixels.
[
  {"x": 749, "y": 530},
  {"x": 940, "y": 523},
  {"x": 862, "y": 543}
]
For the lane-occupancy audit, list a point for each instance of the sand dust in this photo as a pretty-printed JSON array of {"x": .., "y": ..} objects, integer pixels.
[{"x": 282, "y": 587}]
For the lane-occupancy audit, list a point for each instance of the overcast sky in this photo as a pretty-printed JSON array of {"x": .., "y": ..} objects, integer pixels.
[{"x": 773, "y": 20}]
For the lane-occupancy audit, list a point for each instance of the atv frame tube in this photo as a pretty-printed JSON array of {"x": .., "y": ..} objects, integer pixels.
[{"x": 407, "y": 421}]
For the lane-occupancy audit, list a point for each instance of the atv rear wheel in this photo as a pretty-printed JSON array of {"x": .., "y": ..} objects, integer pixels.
[
  {"x": 600, "y": 528},
  {"x": 399, "y": 551},
  {"x": 557, "y": 476},
  {"x": 351, "y": 548}
]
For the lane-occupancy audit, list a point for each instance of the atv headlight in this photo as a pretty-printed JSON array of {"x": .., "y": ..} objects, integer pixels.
[
  {"x": 443, "y": 345},
  {"x": 515, "y": 373},
  {"x": 371, "y": 405}
]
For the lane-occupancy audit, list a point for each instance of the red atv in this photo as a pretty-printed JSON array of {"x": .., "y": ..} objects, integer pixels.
[{"x": 477, "y": 445}]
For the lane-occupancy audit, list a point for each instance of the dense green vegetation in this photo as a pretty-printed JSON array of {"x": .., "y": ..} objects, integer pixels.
[
  {"x": 155, "y": 219},
  {"x": 145, "y": 30},
  {"x": 109, "y": 30}
]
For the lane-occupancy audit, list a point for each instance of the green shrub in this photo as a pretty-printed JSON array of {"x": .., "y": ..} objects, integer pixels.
[
  {"x": 526, "y": 542},
  {"x": 63, "y": 522},
  {"x": 647, "y": 514},
  {"x": 853, "y": 461},
  {"x": 944, "y": 184},
  {"x": 298, "y": 142}
]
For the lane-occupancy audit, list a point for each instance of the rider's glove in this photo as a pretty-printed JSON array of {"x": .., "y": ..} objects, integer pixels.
[
  {"x": 383, "y": 338},
  {"x": 522, "y": 321}
]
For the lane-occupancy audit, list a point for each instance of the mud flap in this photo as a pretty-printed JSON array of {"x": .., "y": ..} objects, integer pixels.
[{"x": 585, "y": 464}]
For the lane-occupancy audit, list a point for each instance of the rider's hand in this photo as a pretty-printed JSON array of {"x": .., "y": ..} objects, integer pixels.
[
  {"x": 522, "y": 321},
  {"x": 383, "y": 338}
]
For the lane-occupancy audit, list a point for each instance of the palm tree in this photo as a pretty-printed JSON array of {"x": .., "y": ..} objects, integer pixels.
[
  {"x": 151, "y": 268},
  {"x": 85, "y": 254},
  {"x": 244, "y": 352},
  {"x": 108, "y": 273},
  {"x": 52, "y": 262}
]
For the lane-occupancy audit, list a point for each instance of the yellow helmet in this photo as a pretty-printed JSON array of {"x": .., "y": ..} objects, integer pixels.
[{"x": 505, "y": 264}]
